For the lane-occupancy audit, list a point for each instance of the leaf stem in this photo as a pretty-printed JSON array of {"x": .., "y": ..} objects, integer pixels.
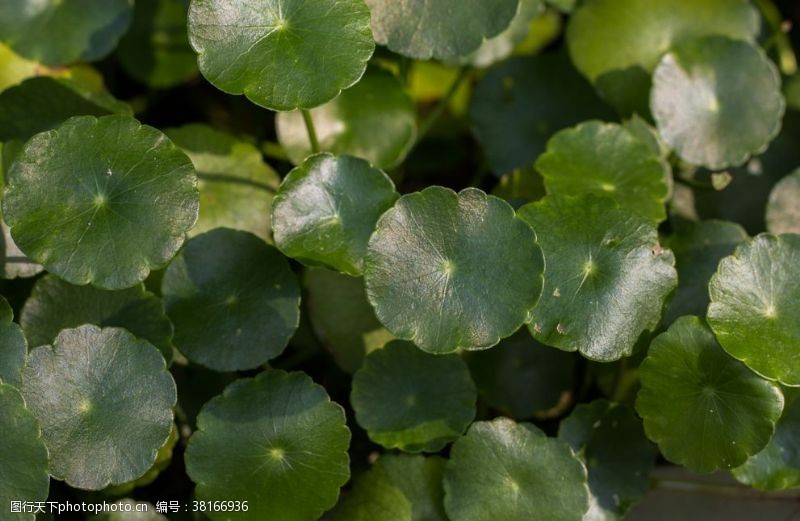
[
  {"x": 439, "y": 109},
  {"x": 312, "y": 132},
  {"x": 779, "y": 38},
  {"x": 274, "y": 150}
]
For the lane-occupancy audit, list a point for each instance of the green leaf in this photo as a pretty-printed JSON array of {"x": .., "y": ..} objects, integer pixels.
[
  {"x": 753, "y": 310},
  {"x": 282, "y": 54},
  {"x": 610, "y": 440},
  {"x": 704, "y": 409},
  {"x": 14, "y": 262},
  {"x": 717, "y": 101},
  {"x": 523, "y": 185},
  {"x": 605, "y": 158},
  {"x": 783, "y": 208},
  {"x": 432, "y": 270},
  {"x": 276, "y": 434},
  {"x": 777, "y": 467},
  {"x": 156, "y": 50},
  {"x": 375, "y": 120},
  {"x": 13, "y": 347},
  {"x": 163, "y": 459},
  {"x": 233, "y": 299},
  {"x": 123, "y": 515},
  {"x": 423, "y": 413},
  {"x": 104, "y": 400},
  {"x": 520, "y": 103},
  {"x": 698, "y": 248},
  {"x": 343, "y": 318},
  {"x": 56, "y": 32},
  {"x": 606, "y": 276},
  {"x": 397, "y": 488},
  {"x": 55, "y": 305},
  {"x": 236, "y": 185},
  {"x": 23, "y": 475},
  {"x": 509, "y": 471},
  {"x": 444, "y": 29},
  {"x": 100, "y": 201},
  {"x": 326, "y": 209},
  {"x": 520, "y": 376}
]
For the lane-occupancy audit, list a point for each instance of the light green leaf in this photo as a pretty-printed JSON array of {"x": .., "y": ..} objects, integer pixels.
[
  {"x": 282, "y": 54},
  {"x": 753, "y": 310},
  {"x": 113, "y": 197},
  {"x": 326, "y": 209},
  {"x": 13, "y": 347},
  {"x": 423, "y": 413},
  {"x": 233, "y": 299},
  {"x": 509, "y": 471},
  {"x": 783, "y": 208},
  {"x": 704, "y": 409},
  {"x": 605, "y": 158},
  {"x": 276, "y": 441},
  {"x": 104, "y": 400},
  {"x": 717, "y": 101},
  {"x": 55, "y": 305},
  {"x": 375, "y": 120},
  {"x": 432, "y": 269},
  {"x": 606, "y": 276}
]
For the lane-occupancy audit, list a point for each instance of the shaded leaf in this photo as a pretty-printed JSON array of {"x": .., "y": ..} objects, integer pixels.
[
  {"x": 13, "y": 347},
  {"x": 783, "y": 208}
]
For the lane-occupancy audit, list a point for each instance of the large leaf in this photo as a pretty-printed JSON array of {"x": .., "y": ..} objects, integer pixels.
[
  {"x": 444, "y": 29},
  {"x": 233, "y": 299},
  {"x": 56, "y": 32},
  {"x": 375, "y": 120},
  {"x": 104, "y": 400},
  {"x": 326, "y": 209},
  {"x": 13, "y": 347},
  {"x": 509, "y": 471},
  {"x": 753, "y": 310},
  {"x": 704, "y": 409},
  {"x": 783, "y": 208},
  {"x": 100, "y": 201},
  {"x": 606, "y": 158},
  {"x": 717, "y": 101},
  {"x": 423, "y": 413},
  {"x": 432, "y": 272},
  {"x": 275, "y": 441},
  {"x": 282, "y": 54},
  {"x": 606, "y": 276}
]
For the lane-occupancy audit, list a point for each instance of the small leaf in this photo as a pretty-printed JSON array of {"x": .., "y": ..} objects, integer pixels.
[
  {"x": 104, "y": 400},
  {"x": 704, "y": 409},
  {"x": 375, "y": 120},
  {"x": 432, "y": 270},
  {"x": 605, "y": 158},
  {"x": 275, "y": 441},
  {"x": 326, "y": 209},
  {"x": 783, "y": 208},
  {"x": 423, "y": 413},
  {"x": 282, "y": 54},
  {"x": 55, "y": 305},
  {"x": 606, "y": 276},
  {"x": 444, "y": 29},
  {"x": 13, "y": 347},
  {"x": 717, "y": 101},
  {"x": 509, "y": 471},
  {"x": 753, "y": 310},
  {"x": 233, "y": 299},
  {"x": 100, "y": 201}
]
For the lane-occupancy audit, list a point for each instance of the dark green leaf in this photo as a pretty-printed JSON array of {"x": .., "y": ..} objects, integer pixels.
[
  {"x": 783, "y": 208},
  {"x": 13, "y": 347}
]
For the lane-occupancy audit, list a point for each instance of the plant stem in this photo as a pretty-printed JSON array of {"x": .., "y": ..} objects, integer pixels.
[
  {"x": 274, "y": 150},
  {"x": 692, "y": 183},
  {"x": 439, "y": 109},
  {"x": 719, "y": 489},
  {"x": 312, "y": 132},
  {"x": 404, "y": 66},
  {"x": 779, "y": 39}
]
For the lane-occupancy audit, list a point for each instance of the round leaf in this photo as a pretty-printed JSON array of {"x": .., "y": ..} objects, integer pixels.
[
  {"x": 276, "y": 441},
  {"x": 605, "y": 158},
  {"x": 717, "y": 101},
  {"x": 432, "y": 274},
  {"x": 104, "y": 400},
  {"x": 753, "y": 310},
  {"x": 13, "y": 347},
  {"x": 443, "y": 29},
  {"x": 326, "y": 209},
  {"x": 55, "y": 305},
  {"x": 783, "y": 209},
  {"x": 233, "y": 300},
  {"x": 56, "y": 32},
  {"x": 503, "y": 470},
  {"x": 23, "y": 456},
  {"x": 704, "y": 409},
  {"x": 375, "y": 120},
  {"x": 113, "y": 197},
  {"x": 281, "y": 54},
  {"x": 606, "y": 276},
  {"x": 423, "y": 413}
]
